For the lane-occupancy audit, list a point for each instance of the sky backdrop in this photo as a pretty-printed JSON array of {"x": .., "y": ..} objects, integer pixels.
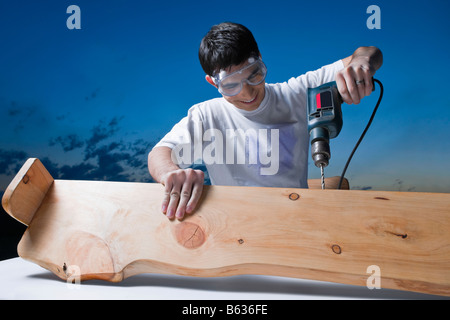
[{"x": 91, "y": 103}]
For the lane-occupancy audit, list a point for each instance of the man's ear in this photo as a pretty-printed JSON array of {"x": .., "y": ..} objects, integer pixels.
[{"x": 210, "y": 81}]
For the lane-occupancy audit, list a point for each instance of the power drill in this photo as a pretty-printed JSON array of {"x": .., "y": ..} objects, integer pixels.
[{"x": 324, "y": 116}]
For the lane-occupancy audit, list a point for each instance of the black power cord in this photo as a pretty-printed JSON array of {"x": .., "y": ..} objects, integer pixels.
[{"x": 364, "y": 132}]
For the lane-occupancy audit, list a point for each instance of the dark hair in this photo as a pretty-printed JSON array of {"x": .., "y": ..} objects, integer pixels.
[{"x": 226, "y": 44}]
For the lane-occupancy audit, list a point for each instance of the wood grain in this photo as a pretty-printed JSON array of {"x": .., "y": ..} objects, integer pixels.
[{"x": 114, "y": 230}]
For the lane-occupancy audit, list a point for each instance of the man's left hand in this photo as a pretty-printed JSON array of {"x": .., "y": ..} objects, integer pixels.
[{"x": 355, "y": 80}]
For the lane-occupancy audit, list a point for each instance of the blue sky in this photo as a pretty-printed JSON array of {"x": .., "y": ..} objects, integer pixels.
[{"x": 91, "y": 103}]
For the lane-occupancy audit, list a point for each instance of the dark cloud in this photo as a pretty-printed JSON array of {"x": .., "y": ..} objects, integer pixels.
[
  {"x": 11, "y": 161},
  {"x": 101, "y": 132},
  {"x": 400, "y": 185},
  {"x": 106, "y": 165},
  {"x": 397, "y": 185},
  {"x": 20, "y": 115},
  {"x": 26, "y": 111},
  {"x": 14, "y": 110},
  {"x": 62, "y": 116},
  {"x": 104, "y": 159},
  {"x": 68, "y": 142},
  {"x": 93, "y": 95},
  {"x": 361, "y": 188},
  {"x": 80, "y": 171},
  {"x": 139, "y": 150},
  {"x": 52, "y": 167}
]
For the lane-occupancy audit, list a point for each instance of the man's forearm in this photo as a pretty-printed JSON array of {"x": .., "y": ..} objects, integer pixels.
[{"x": 160, "y": 162}]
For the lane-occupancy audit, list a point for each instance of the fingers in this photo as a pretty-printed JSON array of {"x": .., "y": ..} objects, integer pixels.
[
  {"x": 195, "y": 197},
  {"x": 184, "y": 198},
  {"x": 342, "y": 88},
  {"x": 360, "y": 84},
  {"x": 368, "y": 83},
  {"x": 166, "y": 199},
  {"x": 171, "y": 196},
  {"x": 183, "y": 189},
  {"x": 354, "y": 83},
  {"x": 173, "y": 202},
  {"x": 349, "y": 91}
]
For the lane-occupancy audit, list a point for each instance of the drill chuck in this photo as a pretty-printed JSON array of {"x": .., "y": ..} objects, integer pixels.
[
  {"x": 320, "y": 146},
  {"x": 320, "y": 150}
]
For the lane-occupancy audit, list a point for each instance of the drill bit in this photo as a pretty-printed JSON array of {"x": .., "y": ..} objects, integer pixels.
[{"x": 322, "y": 176}]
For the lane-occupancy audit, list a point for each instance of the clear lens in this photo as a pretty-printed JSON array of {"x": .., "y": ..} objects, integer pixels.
[{"x": 253, "y": 74}]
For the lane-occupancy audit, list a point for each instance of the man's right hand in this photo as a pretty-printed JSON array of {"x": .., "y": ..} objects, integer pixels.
[{"x": 183, "y": 189}]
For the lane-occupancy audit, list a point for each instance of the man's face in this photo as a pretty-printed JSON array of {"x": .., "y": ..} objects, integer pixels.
[{"x": 250, "y": 97}]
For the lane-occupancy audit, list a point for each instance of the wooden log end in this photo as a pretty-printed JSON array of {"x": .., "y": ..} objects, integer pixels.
[
  {"x": 189, "y": 235},
  {"x": 26, "y": 191}
]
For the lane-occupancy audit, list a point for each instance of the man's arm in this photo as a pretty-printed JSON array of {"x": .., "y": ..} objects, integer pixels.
[
  {"x": 182, "y": 187},
  {"x": 355, "y": 80}
]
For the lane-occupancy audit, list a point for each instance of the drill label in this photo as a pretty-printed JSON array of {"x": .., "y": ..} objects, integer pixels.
[
  {"x": 323, "y": 100},
  {"x": 318, "y": 101}
]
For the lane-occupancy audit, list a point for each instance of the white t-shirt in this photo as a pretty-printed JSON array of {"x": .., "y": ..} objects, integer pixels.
[{"x": 266, "y": 147}]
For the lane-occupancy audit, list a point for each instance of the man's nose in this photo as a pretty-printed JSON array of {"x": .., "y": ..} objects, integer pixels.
[{"x": 247, "y": 91}]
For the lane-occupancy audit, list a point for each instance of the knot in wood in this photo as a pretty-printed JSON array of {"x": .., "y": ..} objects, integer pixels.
[
  {"x": 294, "y": 196},
  {"x": 336, "y": 249},
  {"x": 189, "y": 235},
  {"x": 25, "y": 179}
]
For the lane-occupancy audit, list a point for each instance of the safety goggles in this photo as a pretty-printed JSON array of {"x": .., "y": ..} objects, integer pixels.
[{"x": 231, "y": 84}]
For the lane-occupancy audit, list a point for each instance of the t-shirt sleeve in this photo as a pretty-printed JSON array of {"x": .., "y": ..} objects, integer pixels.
[
  {"x": 316, "y": 78},
  {"x": 183, "y": 136}
]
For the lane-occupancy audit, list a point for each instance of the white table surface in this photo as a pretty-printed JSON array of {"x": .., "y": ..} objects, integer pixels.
[{"x": 21, "y": 279}]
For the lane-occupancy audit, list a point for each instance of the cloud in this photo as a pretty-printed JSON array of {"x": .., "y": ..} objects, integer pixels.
[
  {"x": 62, "y": 116},
  {"x": 11, "y": 161},
  {"x": 397, "y": 185},
  {"x": 361, "y": 187},
  {"x": 400, "y": 185},
  {"x": 101, "y": 132},
  {"x": 20, "y": 115},
  {"x": 79, "y": 171},
  {"x": 14, "y": 110},
  {"x": 68, "y": 142},
  {"x": 105, "y": 158},
  {"x": 93, "y": 95}
]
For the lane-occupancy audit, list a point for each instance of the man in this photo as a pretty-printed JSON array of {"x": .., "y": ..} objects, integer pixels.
[{"x": 237, "y": 126}]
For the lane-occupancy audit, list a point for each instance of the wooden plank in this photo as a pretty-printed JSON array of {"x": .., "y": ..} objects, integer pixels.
[{"x": 114, "y": 230}]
